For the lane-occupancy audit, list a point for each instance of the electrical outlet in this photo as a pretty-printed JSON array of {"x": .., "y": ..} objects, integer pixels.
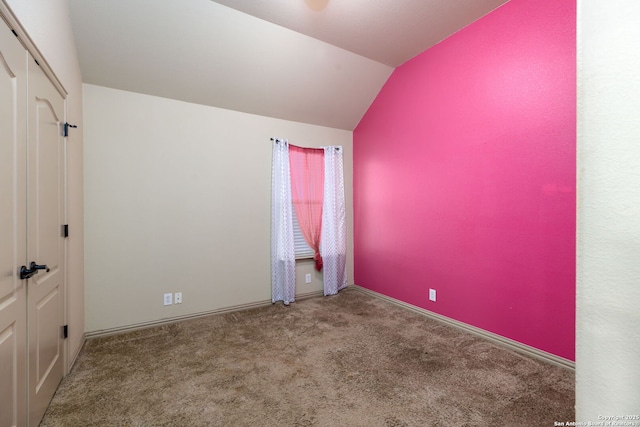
[
  {"x": 432, "y": 295},
  {"x": 307, "y": 278},
  {"x": 168, "y": 299},
  {"x": 178, "y": 298}
]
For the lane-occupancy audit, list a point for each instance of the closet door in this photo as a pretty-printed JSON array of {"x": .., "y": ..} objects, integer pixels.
[
  {"x": 45, "y": 241},
  {"x": 13, "y": 237}
]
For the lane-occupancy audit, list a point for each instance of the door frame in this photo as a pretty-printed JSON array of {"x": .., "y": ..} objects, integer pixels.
[{"x": 7, "y": 14}]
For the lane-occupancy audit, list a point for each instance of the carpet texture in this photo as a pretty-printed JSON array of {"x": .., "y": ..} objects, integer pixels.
[{"x": 346, "y": 360}]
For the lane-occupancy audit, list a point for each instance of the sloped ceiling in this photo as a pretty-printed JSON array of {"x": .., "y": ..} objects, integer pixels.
[{"x": 314, "y": 61}]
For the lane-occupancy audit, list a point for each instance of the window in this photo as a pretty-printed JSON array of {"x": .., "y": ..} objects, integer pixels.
[{"x": 302, "y": 249}]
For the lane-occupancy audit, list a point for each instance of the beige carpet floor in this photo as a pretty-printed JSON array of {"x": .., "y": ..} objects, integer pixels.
[{"x": 347, "y": 360}]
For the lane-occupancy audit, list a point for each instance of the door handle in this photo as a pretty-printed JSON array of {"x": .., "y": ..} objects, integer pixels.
[{"x": 26, "y": 273}]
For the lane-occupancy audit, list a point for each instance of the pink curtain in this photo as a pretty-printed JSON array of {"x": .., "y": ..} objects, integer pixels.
[{"x": 307, "y": 191}]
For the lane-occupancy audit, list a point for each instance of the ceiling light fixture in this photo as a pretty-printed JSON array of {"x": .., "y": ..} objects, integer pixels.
[{"x": 317, "y": 5}]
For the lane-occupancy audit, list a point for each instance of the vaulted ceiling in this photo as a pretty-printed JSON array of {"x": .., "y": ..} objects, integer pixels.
[{"x": 314, "y": 61}]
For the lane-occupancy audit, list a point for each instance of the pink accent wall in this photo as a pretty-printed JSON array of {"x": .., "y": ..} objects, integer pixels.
[{"x": 465, "y": 177}]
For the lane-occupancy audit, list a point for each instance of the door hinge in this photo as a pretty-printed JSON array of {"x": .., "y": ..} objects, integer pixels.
[
  {"x": 65, "y": 331},
  {"x": 67, "y": 125},
  {"x": 14, "y": 32},
  {"x": 65, "y": 230}
]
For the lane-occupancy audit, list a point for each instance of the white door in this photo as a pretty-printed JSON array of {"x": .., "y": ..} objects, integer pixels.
[
  {"x": 45, "y": 241},
  {"x": 13, "y": 235}
]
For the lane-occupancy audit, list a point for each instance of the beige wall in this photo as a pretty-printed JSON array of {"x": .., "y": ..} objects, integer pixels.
[
  {"x": 178, "y": 199},
  {"x": 48, "y": 25},
  {"x": 608, "y": 246}
]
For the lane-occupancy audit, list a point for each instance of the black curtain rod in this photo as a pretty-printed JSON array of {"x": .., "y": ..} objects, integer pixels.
[{"x": 279, "y": 140}]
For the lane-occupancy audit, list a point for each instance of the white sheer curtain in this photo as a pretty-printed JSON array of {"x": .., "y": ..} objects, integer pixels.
[
  {"x": 283, "y": 259},
  {"x": 333, "y": 239}
]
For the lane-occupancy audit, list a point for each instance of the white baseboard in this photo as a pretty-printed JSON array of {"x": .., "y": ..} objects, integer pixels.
[
  {"x": 506, "y": 342},
  {"x": 169, "y": 320},
  {"x": 74, "y": 357},
  {"x": 311, "y": 294}
]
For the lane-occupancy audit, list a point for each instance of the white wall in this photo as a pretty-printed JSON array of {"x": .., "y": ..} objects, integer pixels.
[
  {"x": 178, "y": 199},
  {"x": 608, "y": 246},
  {"x": 48, "y": 25}
]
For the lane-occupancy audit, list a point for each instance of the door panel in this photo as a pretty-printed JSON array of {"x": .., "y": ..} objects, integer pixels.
[
  {"x": 13, "y": 237},
  {"x": 46, "y": 319},
  {"x": 45, "y": 290}
]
